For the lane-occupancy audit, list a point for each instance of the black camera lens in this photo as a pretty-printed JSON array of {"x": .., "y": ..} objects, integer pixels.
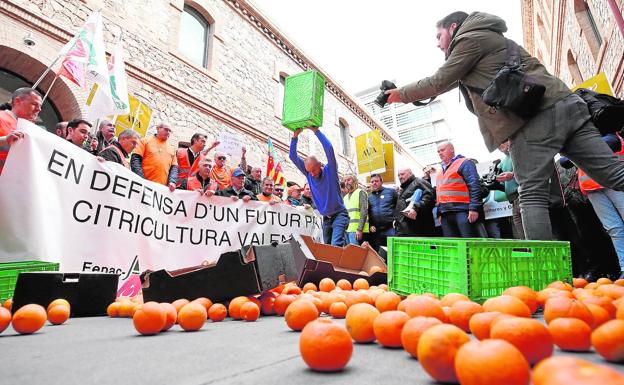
[{"x": 382, "y": 98}]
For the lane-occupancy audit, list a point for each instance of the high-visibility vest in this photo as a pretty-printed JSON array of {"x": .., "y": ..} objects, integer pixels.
[
  {"x": 185, "y": 168},
  {"x": 8, "y": 124},
  {"x": 352, "y": 203},
  {"x": 588, "y": 184},
  {"x": 124, "y": 161},
  {"x": 450, "y": 186},
  {"x": 192, "y": 183}
]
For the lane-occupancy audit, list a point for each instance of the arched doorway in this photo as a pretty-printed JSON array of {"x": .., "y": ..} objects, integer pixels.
[{"x": 17, "y": 69}]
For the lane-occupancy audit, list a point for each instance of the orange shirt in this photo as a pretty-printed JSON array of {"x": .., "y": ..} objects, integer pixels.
[
  {"x": 271, "y": 198},
  {"x": 8, "y": 124},
  {"x": 158, "y": 157},
  {"x": 221, "y": 175}
]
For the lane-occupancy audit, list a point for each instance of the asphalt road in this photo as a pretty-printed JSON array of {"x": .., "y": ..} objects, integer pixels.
[{"x": 103, "y": 350}]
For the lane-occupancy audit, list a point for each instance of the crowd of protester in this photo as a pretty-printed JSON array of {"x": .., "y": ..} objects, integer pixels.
[{"x": 447, "y": 201}]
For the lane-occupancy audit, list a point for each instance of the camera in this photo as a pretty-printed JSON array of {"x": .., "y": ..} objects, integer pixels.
[
  {"x": 489, "y": 180},
  {"x": 28, "y": 40},
  {"x": 382, "y": 98}
]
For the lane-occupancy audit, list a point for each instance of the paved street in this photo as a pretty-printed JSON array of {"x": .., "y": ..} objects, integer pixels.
[{"x": 109, "y": 351}]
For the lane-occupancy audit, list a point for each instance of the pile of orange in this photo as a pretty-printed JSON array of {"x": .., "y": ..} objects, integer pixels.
[{"x": 32, "y": 317}]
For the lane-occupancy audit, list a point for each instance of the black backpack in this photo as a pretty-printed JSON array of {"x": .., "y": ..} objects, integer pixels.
[{"x": 607, "y": 112}]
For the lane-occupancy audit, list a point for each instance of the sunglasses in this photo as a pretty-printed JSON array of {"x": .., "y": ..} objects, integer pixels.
[
  {"x": 222, "y": 158},
  {"x": 279, "y": 189}
]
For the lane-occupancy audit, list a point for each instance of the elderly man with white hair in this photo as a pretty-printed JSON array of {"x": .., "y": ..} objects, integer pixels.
[{"x": 155, "y": 159}]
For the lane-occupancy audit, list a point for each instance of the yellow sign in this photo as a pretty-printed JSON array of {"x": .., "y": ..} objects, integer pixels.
[
  {"x": 598, "y": 83},
  {"x": 388, "y": 176},
  {"x": 138, "y": 119},
  {"x": 369, "y": 150}
]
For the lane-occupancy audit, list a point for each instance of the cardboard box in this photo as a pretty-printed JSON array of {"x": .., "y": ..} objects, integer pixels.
[
  {"x": 89, "y": 294},
  {"x": 315, "y": 261},
  {"x": 249, "y": 271}
]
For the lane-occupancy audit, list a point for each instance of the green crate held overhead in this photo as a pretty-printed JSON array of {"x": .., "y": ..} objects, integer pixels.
[
  {"x": 478, "y": 268},
  {"x": 10, "y": 270},
  {"x": 303, "y": 100}
]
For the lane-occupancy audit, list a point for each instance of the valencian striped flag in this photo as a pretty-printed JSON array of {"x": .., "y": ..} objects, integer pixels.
[{"x": 274, "y": 168}]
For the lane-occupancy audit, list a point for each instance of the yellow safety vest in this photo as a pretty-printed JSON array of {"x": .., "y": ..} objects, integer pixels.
[{"x": 352, "y": 203}]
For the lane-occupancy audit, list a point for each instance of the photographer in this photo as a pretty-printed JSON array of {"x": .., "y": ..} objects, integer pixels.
[{"x": 475, "y": 51}]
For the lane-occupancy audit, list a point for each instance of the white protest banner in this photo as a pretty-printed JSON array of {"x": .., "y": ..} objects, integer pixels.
[
  {"x": 59, "y": 204},
  {"x": 230, "y": 144}
]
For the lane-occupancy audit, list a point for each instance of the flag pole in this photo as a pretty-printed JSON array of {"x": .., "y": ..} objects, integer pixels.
[
  {"x": 49, "y": 88},
  {"x": 71, "y": 44},
  {"x": 136, "y": 114}
]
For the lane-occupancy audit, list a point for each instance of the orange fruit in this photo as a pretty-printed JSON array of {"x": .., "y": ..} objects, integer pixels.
[
  {"x": 235, "y": 306},
  {"x": 546, "y": 294},
  {"x": 8, "y": 304},
  {"x": 344, "y": 284},
  {"x": 599, "y": 313},
  {"x": 126, "y": 308},
  {"x": 203, "y": 301},
  {"x": 619, "y": 282},
  {"x": 360, "y": 284},
  {"x": 387, "y": 301},
  {"x": 424, "y": 306},
  {"x": 59, "y": 301},
  {"x": 591, "y": 285},
  {"x": 388, "y": 326},
  {"x": 560, "y": 285},
  {"x": 300, "y": 313},
  {"x": 325, "y": 346},
  {"x": 5, "y": 318},
  {"x": 292, "y": 289},
  {"x": 529, "y": 336},
  {"x": 604, "y": 302},
  {"x": 309, "y": 286},
  {"x": 171, "y": 316},
  {"x": 437, "y": 348},
  {"x": 413, "y": 329},
  {"x": 525, "y": 294},
  {"x": 562, "y": 307},
  {"x": 267, "y": 301},
  {"x": 113, "y": 309},
  {"x": 491, "y": 362},
  {"x": 338, "y": 310},
  {"x": 462, "y": 311},
  {"x": 217, "y": 312},
  {"x": 567, "y": 370},
  {"x": 250, "y": 311},
  {"x": 29, "y": 318},
  {"x": 149, "y": 318},
  {"x": 507, "y": 304},
  {"x": 481, "y": 323},
  {"x": 281, "y": 303},
  {"x": 58, "y": 314},
  {"x": 327, "y": 285},
  {"x": 179, "y": 303},
  {"x": 451, "y": 298},
  {"x": 570, "y": 334},
  {"x": 610, "y": 290},
  {"x": 608, "y": 340},
  {"x": 192, "y": 317},
  {"x": 375, "y": 269},
  {"x": 359, "y": 322},
  {"x": 579, "y": 282},
  {"x": 401, "y": 305},
  {"x": 353, "y": 297},
  {"x": 604, "y": 281}
]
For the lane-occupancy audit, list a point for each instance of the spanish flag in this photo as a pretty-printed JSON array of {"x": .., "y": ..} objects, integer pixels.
[{"x": 274, "y": 168}]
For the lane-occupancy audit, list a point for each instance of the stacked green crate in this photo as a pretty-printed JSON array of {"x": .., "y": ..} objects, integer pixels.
[{"x": 303, "y": 100}]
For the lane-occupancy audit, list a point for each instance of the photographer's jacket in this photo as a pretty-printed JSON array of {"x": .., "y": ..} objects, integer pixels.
[{"x": 476, "y": 53}]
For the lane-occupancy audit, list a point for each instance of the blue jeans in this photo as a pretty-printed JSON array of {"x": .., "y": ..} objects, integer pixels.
[
  {"x": 334, "y": 228},
  {"x": 609, "y": 206},
  {"x": 380, "y": 237},
  {"x": 455, "y": 224}
]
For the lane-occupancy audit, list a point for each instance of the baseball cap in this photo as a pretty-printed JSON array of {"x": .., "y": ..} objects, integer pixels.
[{"x": 238, "y": 172}]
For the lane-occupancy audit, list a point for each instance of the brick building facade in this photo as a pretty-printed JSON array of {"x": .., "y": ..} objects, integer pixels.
[
  {"x": 577, "y": 39},
  {"x": 234, "y": 86}
]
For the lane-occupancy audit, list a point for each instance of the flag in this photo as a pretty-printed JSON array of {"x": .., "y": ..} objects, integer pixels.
[
  {"x": 84, "y": 56},
  {"x": 110, "y": 97},
  {"x": 274, "y": 168}
]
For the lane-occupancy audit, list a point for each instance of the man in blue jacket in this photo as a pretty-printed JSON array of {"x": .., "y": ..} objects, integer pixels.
[
  {"x": 381, "y": 204},
  {"x": 458, "y": 192},
  {"x": 325, "y": 188}
]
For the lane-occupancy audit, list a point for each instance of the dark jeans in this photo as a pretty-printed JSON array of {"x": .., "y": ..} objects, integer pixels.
[
  {"x": 380, "y": 237},
  {"x": 564, "y": 128},
  {"x": 455, "y": 224},
  {"x": 334, "y": 228}
]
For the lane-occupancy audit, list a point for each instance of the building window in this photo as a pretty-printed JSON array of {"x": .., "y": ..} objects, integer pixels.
[
  {"x": 194, "y": 36},
  {"x": 344, "y": 136},
  {"x": 575, "y": 72},
  {"x": 588, "y": 26}
]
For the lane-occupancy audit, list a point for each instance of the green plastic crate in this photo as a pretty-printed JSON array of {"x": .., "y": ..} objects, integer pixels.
[
  {"x": 478, "y": 268},
  {"x": 303, "y": 100},
  {"x": 10, "y": 270}
]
